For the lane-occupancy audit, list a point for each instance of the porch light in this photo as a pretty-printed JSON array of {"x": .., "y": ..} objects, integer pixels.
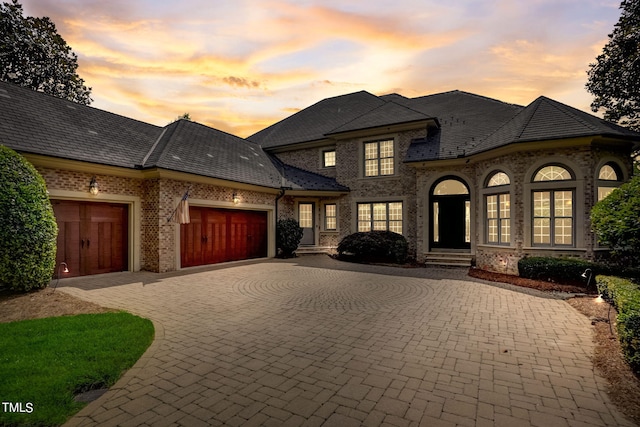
[
  {"x": 236, "y": 199},
  {"x": 587, "y": 275},
  {"x": 93, "y": 186},
  {"x": 65, "y": 269}
]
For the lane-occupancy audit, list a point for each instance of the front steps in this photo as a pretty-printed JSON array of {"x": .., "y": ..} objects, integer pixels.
[
  {"x": 448, "y": 259},
  {"x": 313, "y": 250}
]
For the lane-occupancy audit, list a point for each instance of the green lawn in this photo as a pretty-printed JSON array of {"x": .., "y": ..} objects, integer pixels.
[{"x": 45, "y": 362}]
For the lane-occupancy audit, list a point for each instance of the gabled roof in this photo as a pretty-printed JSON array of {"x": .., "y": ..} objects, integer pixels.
[
  {"x": 387, "y": 114},
  {"x": 32, "y": 122}
]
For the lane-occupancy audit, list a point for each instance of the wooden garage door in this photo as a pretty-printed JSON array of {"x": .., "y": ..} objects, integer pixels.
[
  {"x": 219, "y": 235},
  {"x": 92, "y": 237}
]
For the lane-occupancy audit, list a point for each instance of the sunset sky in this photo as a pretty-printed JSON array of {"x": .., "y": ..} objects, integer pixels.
[{"x": 241, "y": 65}]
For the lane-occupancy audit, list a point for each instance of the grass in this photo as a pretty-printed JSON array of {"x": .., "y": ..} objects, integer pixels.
[{"x": 46, "y": 362}]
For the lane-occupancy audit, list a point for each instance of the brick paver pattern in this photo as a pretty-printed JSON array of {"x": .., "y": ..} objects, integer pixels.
[{"x": 316, "y": 342}]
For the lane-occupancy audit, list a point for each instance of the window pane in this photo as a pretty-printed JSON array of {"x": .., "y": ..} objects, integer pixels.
[
  {"x": 563, "y": 203},
  {"x": 364, "y": 217},
  {"x": 329, "y": 158},
  {"x": 450, "y": 186},
  {"x": 395, "y": 226},
  {"x": 492, "y": 231},
  {"x": 386, "y": 149},
  {"x": 552, "y": 173},
  {"x": 563, "y": 231},
  {"x": 505, "y": 230},
  {"x": 395, "y": 211},
  {"x": 608, "y": 173},
  {"x": 436, "y": 224},
  {"x": 330, "y": 217},
  {"x": 467, "y": 221},
  {"x": 386, "y": 166},
  {"x": 499, "y": 178},
  {"x": 492, "y": 206},
  {"x": 505, "y": 206},
  {"x": 371, "y": 150},
  {"x": 541, "y": 231},
  {"x": 604, "y": 192},
  {"x": 541, "y": 204},
  {"x": 380, "y": 225},
  {"x": 305, "y": 215},
  {"x": 371, "y": 167}
]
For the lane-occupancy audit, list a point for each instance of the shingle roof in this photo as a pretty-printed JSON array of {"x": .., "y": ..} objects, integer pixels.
[
  {"x": 546, "y": 119},
  {"x": 300, "y": 179},
  {"x": 314, "y": 122},
  {"x": 387, "y": 114},
  {"x": 32, "y": 122}
]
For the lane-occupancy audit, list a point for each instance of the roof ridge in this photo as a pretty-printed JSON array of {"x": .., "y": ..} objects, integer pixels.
[{"x": 383, "y": 105}]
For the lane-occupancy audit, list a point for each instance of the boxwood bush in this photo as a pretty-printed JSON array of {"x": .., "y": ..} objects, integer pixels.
[
  {"x": 567, "y": 271},
  {"x": 288, "y": 236},
  {"x": 374, "y": 246},
  {"x": 28, "y": 227},
  {"x": 625, "y": 297}
]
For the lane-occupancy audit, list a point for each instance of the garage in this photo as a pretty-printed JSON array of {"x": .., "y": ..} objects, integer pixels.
[
  {"x": 92, "y": 237},
  {"x": 221, "y": 235}
]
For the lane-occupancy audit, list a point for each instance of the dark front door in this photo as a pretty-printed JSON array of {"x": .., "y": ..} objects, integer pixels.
[
  {"x": 450, "y": 224},
  {"x": 92, "y": 237},
  {"x": 220, "y": 235}
]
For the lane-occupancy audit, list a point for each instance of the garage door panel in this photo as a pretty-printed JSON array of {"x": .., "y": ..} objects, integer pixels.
[
  {"x": 92, "y": 237},
  {"x": 227, "y": 235}
]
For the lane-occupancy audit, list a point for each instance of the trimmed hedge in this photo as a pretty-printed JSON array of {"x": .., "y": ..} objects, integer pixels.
[
  {"x": 567, "y": 271},
  {"x": 374, "y": 246},
  {"x": 28, "y": 228},
  {"x": 624, "y": 295}
]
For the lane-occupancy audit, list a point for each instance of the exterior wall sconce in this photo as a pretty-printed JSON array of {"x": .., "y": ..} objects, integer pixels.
[
  {"x": 93, "y": 186},
  {"x": 236, "y": 199}
]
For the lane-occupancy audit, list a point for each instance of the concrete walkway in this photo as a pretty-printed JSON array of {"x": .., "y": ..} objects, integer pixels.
[{"x": 317, "y": 342}]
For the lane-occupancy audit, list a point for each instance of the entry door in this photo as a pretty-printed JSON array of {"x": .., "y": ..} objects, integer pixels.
[
  {"x": 92, "y": 237},
  {"x": 450, "y": 225},
  {"x": 306, "y": 221}
]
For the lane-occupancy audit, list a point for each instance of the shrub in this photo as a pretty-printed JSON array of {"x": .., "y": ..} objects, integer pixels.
[
  {"x": 374, "y": 246},
  {"x": 567, "y": 271},
  {"x": 615, "y": 220},
  {"x": 288, "y": 236},
  {"x": 625, "y": 297},
  {"x": 28, "y": 227}
]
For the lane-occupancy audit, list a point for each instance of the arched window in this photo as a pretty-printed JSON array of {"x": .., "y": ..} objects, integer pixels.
[
  {"x": 552, "y": 173},
  {"x": 553, "y": 207},
  {"x": 609, "y": 178},
  {"x": 498, "y": 209},
  {"x": 450, "y": 187}
]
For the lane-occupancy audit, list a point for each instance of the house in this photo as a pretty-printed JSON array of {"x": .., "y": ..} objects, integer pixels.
[
  {"x": 142, "y": 172},
  {"x": 463, "y": 177}
]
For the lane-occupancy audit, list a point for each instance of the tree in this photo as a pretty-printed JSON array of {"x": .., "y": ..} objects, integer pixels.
[
  {"x": 614, "y": 79},
  {"x": 34, "y": 55},
  {"x": 616, "y": 221},
  {"x": 28, "y": 228}
]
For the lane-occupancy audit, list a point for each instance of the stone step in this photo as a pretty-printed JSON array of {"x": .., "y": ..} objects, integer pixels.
[
  {"x": 312, "y": 250},
  {"x": 449, "y": 259}
]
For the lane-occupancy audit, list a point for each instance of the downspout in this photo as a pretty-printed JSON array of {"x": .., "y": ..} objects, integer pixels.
[{"x": 278, "y": 197}]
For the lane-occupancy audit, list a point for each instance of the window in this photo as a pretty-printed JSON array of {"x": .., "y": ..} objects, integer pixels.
[
  {"x": 609, "y": 178},
  {"x": 498, "y": 210},
  {"x": 329, "y": 158},
  {"x": 330, "y": 217},
  {"x": 378, "y": 158},
  {"x": 553, "y": 209},
  {"x": 380, "y": 216}
]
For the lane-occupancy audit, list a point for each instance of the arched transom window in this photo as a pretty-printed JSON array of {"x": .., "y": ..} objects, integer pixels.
[
  {"x": 552, "y": 173},
  {"x": 498, "y": 209},
  {"x": 609, "y": 178},
  {"x": 553, "y": 208}
]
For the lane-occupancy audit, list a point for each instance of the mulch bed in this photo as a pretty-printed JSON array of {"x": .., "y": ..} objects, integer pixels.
[{"x": 528, "y": 283}]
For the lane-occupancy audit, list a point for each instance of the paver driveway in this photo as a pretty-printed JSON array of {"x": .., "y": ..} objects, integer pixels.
[{"x": 313, "y": 341}]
